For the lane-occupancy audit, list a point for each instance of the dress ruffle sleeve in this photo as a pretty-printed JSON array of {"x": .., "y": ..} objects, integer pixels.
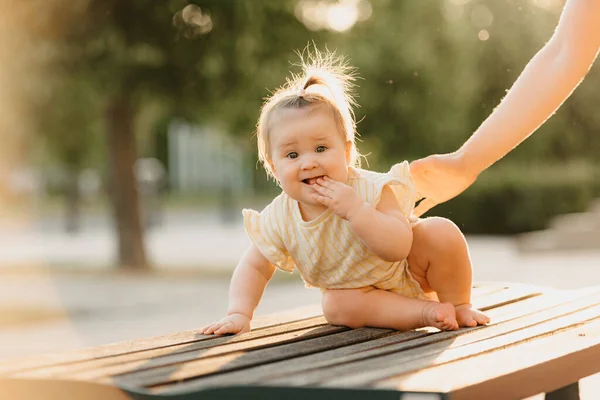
[
  {"x": 400, "y": 181},
  {"x": 261, "y": 228}
]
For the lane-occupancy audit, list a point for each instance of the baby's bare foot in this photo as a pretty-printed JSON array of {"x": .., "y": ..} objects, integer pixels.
[
  {"x": 440, "y": 315},
  {"x": 468, "y": 316}
]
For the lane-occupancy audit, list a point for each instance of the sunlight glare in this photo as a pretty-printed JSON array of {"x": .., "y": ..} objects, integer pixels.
[
  {"x": 452, "y": 11},
  {"x": 481, "y": 16},
  {"x": 550, "y": 5},
  {"x": 337, "y": 16},
  {"x": 341, "y": 17}
]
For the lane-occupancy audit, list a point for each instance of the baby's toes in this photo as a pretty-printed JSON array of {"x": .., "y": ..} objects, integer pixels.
[
  {"x": 447, "y": 324},
  {"x": 452, "y": 324},
  {"x": 480, "y": 318}
]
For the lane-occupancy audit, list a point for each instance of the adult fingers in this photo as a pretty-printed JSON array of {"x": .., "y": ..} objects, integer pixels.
[
  {"x": 422, "y": 164},
  {"x": 424, "y": 206}
]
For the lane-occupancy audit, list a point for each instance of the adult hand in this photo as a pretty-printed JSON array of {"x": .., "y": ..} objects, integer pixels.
[
  {"x": 438, "y": 178},
  {"x": 339, "y": 197},
  {"x": 233, "y": 323}
]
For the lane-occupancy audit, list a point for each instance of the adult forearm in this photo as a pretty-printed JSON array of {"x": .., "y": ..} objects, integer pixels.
[
  {"x": 542, "y": 87},
  {"x": 246, "y": 289},
  {"x": 388, "y": 237},
  {"x": 545, "y": 83}
]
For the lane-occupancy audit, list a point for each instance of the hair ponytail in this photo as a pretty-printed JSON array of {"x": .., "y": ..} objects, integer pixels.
[{"x": 325, "y": 79}]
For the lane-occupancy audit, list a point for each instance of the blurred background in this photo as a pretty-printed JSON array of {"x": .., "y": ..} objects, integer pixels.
[{"x": 128, "y": 150}]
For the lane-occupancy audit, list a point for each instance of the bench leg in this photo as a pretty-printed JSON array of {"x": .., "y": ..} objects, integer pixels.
[{"x": 569, "y": 392}]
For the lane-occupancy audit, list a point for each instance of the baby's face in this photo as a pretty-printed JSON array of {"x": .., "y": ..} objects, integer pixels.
[{"x": 306, "y": 144}]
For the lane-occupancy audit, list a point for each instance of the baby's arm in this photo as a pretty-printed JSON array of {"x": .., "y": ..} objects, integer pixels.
[
  {"x": 384, "y": 229},
  {"x": 248, "y": 283}
]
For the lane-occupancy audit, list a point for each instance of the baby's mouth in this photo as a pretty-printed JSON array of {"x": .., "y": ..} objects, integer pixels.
[{"x": 311, "y": 181}]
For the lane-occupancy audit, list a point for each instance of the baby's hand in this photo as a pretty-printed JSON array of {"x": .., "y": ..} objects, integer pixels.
[
  {"x": 234, "y": 323},
  {"x": 341, "y": 198}
]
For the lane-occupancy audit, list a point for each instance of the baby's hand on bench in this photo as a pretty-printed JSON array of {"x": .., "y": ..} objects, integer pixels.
[{"x": 234, "y": 323}]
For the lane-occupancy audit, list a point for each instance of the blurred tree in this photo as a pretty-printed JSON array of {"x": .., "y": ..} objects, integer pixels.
[
  {"x": 420, "y": 81},
  {"x": 433, "y": 70},
  {"x": 68, "y": 123},
  {"x": 203, "y": 60}
]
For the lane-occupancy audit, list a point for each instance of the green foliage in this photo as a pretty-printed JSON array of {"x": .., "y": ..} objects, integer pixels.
[
  {"x": 428, "y": 79},
  {"x": 432, "y": 71},
  {"x": 69, "y": 125},
  {"x": 522, "y": 198}
]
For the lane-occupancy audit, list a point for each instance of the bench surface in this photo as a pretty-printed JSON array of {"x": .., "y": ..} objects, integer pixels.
[{"x": 539, "y": 341}]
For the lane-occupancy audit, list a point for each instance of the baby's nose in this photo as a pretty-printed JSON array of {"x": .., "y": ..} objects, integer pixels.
[{"x": 309, "y": 162}]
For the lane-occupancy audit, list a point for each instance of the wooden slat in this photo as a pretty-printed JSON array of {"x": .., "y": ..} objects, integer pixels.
[
  {"x": 183, "y": 356},
  {"x": 365, "y": 372},
  {"x": 358, "y": 351},
  {"x": 512, "y": 294},
  {"x": 39, "y": 361},
  {"x": 200, "y": 367},
  {"x": 132, "y": 360},
  {"x": 55, "y": 389},
  {"x": 522, "y": 370},
  {"x": 163, "y": 360},
  {"x": 274, "y": 324},
  {"x": 423, "y": 352},
  {"x": 178, "y": 338},
  {"x": 190, "y": 371},
  {"x": 480, "y": 289},
  {"x": 239, "y": 360}
]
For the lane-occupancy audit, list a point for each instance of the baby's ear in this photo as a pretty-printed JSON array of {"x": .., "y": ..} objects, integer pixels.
[
  {"x": 272, "y": 168},
  {"x": 348, "y": 152}
]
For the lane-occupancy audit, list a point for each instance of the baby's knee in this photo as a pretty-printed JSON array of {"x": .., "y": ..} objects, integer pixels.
[
  {"x": 340, "y": 307},
  {"x": 439, "y": 233}
]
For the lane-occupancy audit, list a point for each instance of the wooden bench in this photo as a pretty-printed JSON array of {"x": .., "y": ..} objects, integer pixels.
[{"x": 539, "y": 341}]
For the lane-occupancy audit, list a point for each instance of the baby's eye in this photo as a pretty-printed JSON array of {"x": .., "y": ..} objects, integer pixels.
[
  {"x": 292, "y": 155},
  {"x": 321, "y": 149}
]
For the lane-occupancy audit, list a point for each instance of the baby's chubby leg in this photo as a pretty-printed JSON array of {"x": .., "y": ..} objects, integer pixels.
[
  {"x": 373, "y": 307},
  {"x": 439, "y": 260}
]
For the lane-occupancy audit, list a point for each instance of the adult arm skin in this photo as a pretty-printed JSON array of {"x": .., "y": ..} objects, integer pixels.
[{"x": 545, "y": 83}]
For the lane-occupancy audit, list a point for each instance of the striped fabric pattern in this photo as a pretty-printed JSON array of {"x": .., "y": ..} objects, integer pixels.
[{"x": 325, "y": 251}]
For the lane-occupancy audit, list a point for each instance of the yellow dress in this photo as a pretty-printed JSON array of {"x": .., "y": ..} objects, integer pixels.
[{"x": 326, "y": 251}]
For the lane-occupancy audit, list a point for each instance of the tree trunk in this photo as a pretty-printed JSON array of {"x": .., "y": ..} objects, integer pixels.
[{"x": 122, "y": 185}]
